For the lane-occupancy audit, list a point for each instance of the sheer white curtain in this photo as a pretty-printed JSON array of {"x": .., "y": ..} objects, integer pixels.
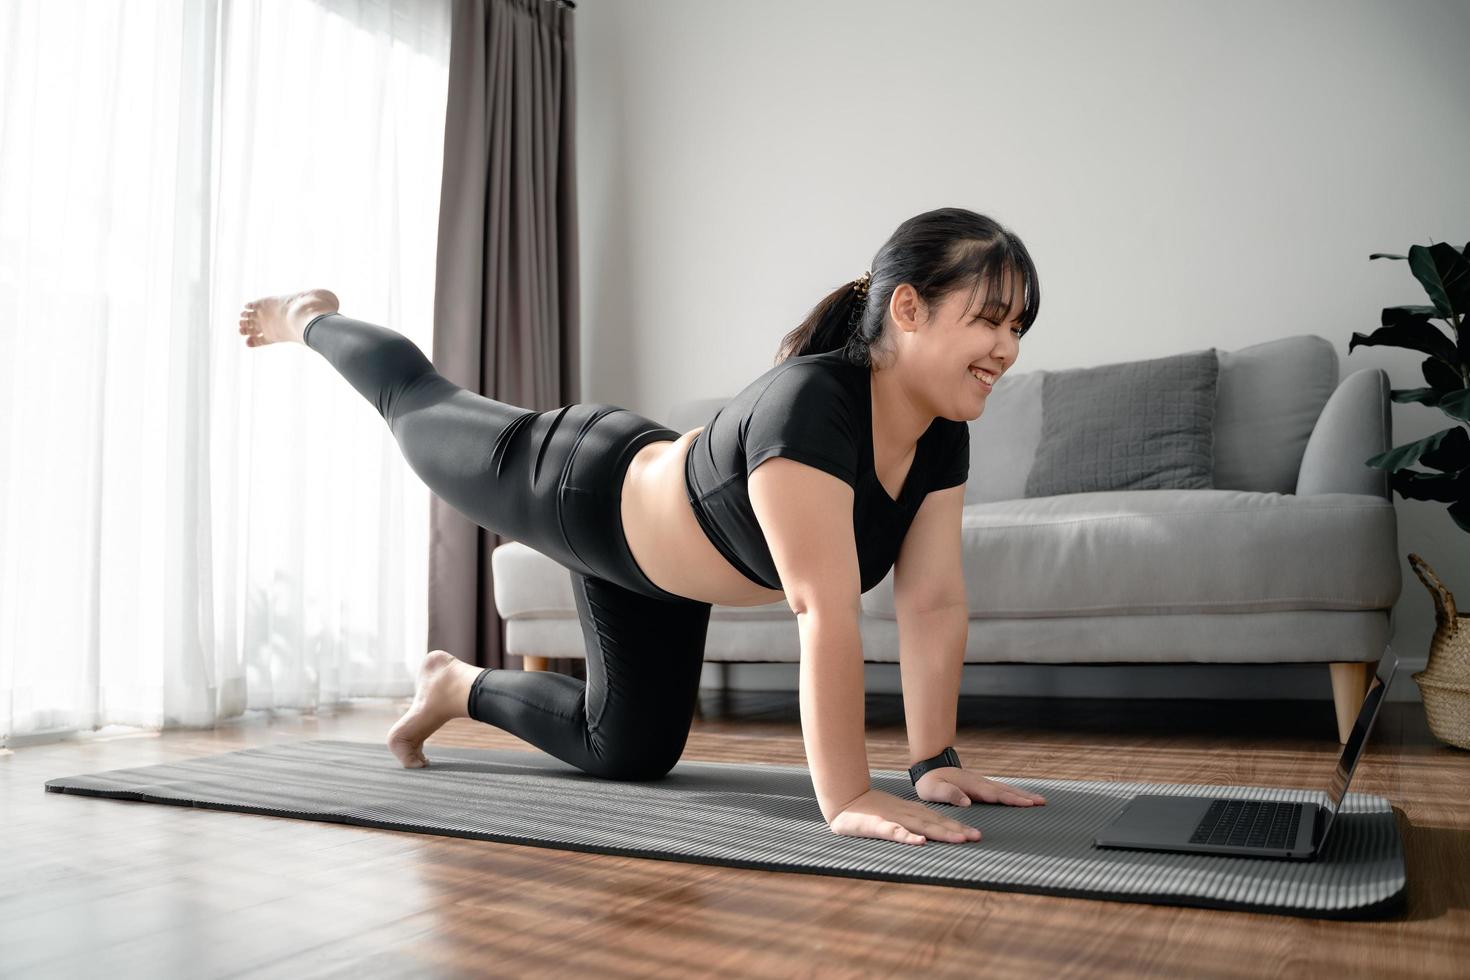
[{"x": 190, "y": 528}]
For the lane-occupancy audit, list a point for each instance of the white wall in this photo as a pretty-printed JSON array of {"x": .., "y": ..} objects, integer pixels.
[{"x": 1185, "y": 175}]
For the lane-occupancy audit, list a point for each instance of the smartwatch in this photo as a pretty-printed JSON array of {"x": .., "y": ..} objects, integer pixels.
[{"x": 946, "y": 758}]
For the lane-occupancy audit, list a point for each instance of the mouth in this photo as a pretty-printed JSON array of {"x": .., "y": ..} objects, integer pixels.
[{"x": 985, "y": 378}]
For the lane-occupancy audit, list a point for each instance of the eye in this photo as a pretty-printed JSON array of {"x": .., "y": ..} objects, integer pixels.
[{"x": 1018, "y": 331}]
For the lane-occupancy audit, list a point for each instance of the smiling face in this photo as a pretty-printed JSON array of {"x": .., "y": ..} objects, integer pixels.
[{"x": 941, "y": 348}]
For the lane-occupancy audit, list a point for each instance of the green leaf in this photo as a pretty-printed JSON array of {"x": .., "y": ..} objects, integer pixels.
[
  {"x": 1451, "y": 455},
  {"x": 1424, "y": 396},
  {"x": 1445, "y": 275},
  {"x": 1415, "y": 333},
  {"x": 1460, "y": 513},
  {"x": 1394, "y": 315},
  {"x": 1401, "y": 456},
  {"x": 1384, "y": 255},
  {"x": 1442, "y": 377},
  {"x": 1443, "y": 487},
  {"x": 1457, "y": 405}
]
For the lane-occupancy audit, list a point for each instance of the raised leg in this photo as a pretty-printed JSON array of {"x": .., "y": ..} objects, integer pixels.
[
  {"x": 496, "y": 463},
  {"x": 1349, "y": 687}
]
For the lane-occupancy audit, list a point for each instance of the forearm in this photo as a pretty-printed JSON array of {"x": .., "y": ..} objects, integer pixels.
[
  {"x": 931, "y": 658},
  {"x": 832, "y": 709}
]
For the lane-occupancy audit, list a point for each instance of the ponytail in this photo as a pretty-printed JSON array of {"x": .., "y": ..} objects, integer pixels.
[{"x": 831, "y": 325}]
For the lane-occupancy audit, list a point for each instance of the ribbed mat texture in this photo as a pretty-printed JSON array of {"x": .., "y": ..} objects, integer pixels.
[{"x": 766, "y": 817}]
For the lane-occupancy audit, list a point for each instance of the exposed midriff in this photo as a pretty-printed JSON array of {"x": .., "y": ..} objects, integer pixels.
[{"x": 666, "y": 539}]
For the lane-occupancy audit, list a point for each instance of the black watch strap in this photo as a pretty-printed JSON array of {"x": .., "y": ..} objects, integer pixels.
[{"x": 946, "y": 758}]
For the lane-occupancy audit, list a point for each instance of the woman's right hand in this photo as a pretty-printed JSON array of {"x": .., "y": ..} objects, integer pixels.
[{"x": 887, "y": 817}]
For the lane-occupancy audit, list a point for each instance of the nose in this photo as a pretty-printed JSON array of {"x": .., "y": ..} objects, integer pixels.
[{"x": 1007, "y": 355}]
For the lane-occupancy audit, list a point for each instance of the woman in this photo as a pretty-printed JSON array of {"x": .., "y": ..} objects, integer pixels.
[{"x": 862, "y": 430}]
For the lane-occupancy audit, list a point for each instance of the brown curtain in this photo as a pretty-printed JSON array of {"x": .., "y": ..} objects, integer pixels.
[{"x": 506, "y": 286}]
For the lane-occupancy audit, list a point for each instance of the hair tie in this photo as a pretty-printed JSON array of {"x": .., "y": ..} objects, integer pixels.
[{"x": 860, "y": 291}]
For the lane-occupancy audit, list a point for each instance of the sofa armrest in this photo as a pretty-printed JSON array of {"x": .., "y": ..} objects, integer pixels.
[{"x": 1354, "y": 426}]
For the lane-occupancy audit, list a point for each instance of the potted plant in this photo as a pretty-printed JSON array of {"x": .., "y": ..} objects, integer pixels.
[{"x": 1445, "y": 275}]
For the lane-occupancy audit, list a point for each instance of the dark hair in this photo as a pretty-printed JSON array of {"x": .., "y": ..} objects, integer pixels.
[{"x": 935, "y": 252}]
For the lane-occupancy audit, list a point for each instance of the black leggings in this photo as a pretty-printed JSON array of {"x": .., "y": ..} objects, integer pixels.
[{"x": 552, "y": 481}]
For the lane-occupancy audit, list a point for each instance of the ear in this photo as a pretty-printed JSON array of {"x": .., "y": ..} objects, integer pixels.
[{"x": 906, "y": 308}]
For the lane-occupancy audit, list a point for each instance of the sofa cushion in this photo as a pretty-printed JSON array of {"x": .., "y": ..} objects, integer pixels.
[
  {"x": 1155, "y": 552},
  {"x": 1139, "y": 425}
]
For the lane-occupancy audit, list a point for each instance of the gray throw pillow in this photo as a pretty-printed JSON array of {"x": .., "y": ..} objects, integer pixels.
[{"x": 1143, "y": 425}]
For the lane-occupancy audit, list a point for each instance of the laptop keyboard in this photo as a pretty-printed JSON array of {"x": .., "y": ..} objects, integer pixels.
[{"x": 1252, "y": 823}]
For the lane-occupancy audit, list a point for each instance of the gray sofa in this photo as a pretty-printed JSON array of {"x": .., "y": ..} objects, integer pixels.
[{"x": 1292, "y": 557}]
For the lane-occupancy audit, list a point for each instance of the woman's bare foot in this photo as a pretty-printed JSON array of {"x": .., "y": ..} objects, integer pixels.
[
  {"x": 277, "y": 318},
  {"x": 442, "y": 692}
]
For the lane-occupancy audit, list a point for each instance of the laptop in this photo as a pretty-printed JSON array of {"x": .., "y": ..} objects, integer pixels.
[{"x": 1248, "y": 828}]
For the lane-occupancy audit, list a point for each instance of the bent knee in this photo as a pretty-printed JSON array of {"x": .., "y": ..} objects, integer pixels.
[{"x": 635, "y": 766}]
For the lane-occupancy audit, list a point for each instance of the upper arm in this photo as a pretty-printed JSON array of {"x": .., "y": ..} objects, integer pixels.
[
  {"x": 930, "y": 571},
  {"x": 801, "y": 464},
  {"x": 806, "y": 516}
]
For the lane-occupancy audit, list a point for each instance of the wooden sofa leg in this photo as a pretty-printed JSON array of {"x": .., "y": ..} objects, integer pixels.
[
  {"x": 1349, "y": 687},
  {"x": 539, "y": 663}
]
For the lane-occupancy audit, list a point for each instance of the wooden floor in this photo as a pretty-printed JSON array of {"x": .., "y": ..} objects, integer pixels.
[{"x": 98, "y": 887}]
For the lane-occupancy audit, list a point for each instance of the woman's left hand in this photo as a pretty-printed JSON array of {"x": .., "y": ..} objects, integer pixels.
[{"x": 952, "y": 784}]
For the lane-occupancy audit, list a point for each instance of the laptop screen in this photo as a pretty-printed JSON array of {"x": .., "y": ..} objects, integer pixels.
[{"x": 1353, "y": 750}]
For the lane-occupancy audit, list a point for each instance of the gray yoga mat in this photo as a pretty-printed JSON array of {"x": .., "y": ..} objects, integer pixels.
[{"x": 766, "y": 817}]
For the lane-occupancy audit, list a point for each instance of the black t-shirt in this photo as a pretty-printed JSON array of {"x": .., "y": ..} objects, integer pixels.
[{"x": 816, "y": 409}]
